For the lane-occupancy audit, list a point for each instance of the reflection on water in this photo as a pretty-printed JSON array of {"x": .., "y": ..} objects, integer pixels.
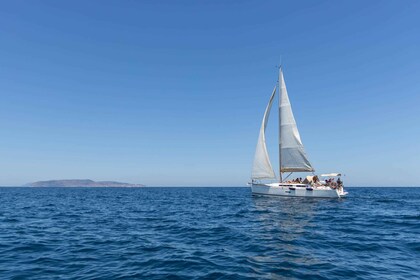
[
  {"x": 289, "y": 215},
  {"x": 285, "y": 224}
]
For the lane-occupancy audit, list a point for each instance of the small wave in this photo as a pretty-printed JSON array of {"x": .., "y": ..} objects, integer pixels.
[{"x": 207, "y": 233}]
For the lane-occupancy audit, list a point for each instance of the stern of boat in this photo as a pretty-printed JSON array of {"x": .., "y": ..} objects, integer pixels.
[{"x": 342, "y": 193}]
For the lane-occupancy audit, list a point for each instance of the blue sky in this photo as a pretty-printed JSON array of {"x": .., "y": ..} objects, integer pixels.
[{"x": 173, "y": 92}]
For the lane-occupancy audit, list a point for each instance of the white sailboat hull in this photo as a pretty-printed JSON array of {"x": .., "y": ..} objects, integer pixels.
[{"x": 296, "y": 190}]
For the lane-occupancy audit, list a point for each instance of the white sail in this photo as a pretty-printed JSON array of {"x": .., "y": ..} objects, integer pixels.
[
  {"x": 292, "y": 154},
  {"x": 262, "y": 168}
]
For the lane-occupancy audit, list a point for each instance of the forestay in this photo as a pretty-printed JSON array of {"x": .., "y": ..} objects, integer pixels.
[
  {"x": 292, "y": 154},
  {"x": 262, "y": 168}
]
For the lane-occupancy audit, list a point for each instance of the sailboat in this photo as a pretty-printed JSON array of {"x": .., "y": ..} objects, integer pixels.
[{"x": 292, "y": 158}]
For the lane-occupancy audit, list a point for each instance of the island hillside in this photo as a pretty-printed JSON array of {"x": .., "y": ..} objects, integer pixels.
[{"x": 82, "y": 183}]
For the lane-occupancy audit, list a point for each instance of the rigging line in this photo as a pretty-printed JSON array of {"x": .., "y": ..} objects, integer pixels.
[{"x": 288, "y": 176}]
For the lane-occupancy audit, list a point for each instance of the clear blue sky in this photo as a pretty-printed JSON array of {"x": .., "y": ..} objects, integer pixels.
[{"x": 173, "y": 92}]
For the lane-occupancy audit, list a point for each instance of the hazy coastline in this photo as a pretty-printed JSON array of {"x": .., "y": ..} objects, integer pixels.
[{"x": 82, "y": 183}]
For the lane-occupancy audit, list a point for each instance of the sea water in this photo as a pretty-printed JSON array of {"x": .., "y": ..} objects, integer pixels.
[{"x": 207, "y": 233}]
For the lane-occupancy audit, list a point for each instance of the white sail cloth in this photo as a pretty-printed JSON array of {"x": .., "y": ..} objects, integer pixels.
[
  {"x": 292, "y": 154},
  {"x": 262, "y": 168}
]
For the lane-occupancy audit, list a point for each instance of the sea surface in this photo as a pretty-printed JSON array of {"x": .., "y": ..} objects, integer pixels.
[{"x": 207, "y": 233}]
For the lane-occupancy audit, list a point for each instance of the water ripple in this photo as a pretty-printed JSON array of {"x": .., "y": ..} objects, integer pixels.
[{"x": 207, "y": 233}]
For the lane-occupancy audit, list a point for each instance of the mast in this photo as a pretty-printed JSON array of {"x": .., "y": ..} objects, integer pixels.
[{"x": 278, "y": 81}]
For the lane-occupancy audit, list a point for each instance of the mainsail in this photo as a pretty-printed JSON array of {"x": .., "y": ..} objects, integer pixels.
[
  {"x": 262, "y": 168},
  {"x": 292, "y": 154}
]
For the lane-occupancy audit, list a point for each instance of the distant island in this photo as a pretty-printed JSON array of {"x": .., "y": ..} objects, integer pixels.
[{"x": 82, "y": 183}]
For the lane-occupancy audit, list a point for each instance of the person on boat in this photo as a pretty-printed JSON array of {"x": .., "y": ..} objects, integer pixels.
[
  {"x": 339, "y": 184},
  {"x": 315, "y": 181}
]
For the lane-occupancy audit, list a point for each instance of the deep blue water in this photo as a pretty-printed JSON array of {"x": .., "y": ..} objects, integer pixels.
[{"x": 207, "y": 233}]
